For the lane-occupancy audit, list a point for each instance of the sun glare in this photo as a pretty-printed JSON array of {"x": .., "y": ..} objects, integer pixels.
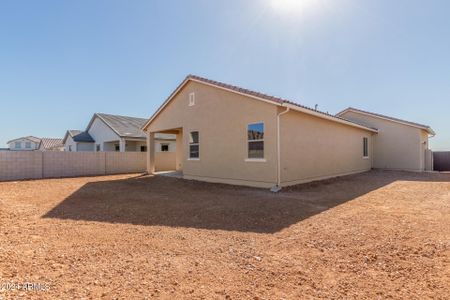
[{"x": 292, "y": 6}]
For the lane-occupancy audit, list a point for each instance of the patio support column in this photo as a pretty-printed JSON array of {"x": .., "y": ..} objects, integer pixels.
[
  {"x": 179, "y": 151},
  {"x": 150, "y": 152},
  {"x": 122, "y": 145}
]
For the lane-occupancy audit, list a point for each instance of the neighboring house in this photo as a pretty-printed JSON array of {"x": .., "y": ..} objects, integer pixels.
[
  {"x": 117, "y": 133},
  {"x": 107, "y": 132},
  {"x": 399, "y": 144},
  {"x": 232, "y": 135},
  {"x": 78, "y": 141},
  {"x": 51, "y": 144},
  {"x": 28, "y": 143}
]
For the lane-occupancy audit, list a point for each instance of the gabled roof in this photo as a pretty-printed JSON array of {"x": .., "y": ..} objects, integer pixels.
[
  {"x": 384, "y": 117},
  {"x": 78, "y": 136},
  {"x": 30, "y": 138},
  {"x": 123, "y": 126},
  {"x": 51, "y": 143},
  {"x": 258, "y": 96}
]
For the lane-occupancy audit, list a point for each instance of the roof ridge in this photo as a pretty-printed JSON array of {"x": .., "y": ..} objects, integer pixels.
[
  {"x": 112, "y": 115},
  {"x": 385, "y": 116},
  {"x": 270, "y": 98}
]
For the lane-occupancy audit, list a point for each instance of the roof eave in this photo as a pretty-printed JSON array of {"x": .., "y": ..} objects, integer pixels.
[
  {"x": 406, "y": 123},
  {"x": 323, "y": 116}
]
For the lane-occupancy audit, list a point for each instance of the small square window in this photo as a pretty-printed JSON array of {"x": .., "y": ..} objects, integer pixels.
[
  {"x": 143, "y": 148},
  {"x": 191, "y": 99},
  {"x": 164, "y": 147},
  {"x": 28, "y": 145},
  {"x": 17, "y": 145}
]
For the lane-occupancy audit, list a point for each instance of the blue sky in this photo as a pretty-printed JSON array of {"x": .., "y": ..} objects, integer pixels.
[{"x": 61, "y": 61}]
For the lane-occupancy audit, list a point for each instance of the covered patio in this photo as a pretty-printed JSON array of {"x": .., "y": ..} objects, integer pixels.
[
  {"x": 156, "y": 159},
  {"x": 126, "y": 145}
]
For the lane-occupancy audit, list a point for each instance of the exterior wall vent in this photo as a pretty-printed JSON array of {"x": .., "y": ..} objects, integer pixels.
[{"x": 191, "y": 99}]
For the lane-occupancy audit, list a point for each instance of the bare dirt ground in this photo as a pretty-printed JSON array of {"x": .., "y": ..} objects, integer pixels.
[{"x": 371, "y": 236}]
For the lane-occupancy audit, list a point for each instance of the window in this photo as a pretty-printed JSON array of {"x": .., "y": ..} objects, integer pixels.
[
  {"x": 365, "y": 147},
  {"x": 255, "y": 134},
  {"x": 143, "y": 148},
  {"x": 191, "y": 99},
  {"x": 28, "y": 145},
  {"x": 97, "y": 148},
  {"x": 70, "y": 148},
  {"x": 17, "y": 145},
  {"x": 164, "y": 147},
  {"x": 194, "y": 146},
  {"x": 117, "y": 147}
]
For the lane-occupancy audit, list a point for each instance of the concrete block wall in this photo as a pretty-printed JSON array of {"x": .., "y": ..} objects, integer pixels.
[
  {"x": 36, "y": 164},
  {"x": 125, "y": 162},
  {"x": 16, "y": 165},
  {"x": 73, "y": 164}
]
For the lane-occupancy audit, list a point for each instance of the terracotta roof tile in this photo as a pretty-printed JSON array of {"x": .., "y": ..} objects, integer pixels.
[
  {"x": 387, "y": 117},
  {"x": 268, "y": 97},
  {"x": 52, "y": 143}
]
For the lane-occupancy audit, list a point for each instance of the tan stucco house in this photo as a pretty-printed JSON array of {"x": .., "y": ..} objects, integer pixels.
[
  {"x": 232, "y": 135},
  {"x": 399, "y": 144}
]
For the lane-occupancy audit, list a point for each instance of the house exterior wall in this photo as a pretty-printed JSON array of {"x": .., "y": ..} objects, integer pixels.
[
  {"x": 134, "y": 146},
  {"x": 85, "y": 147},
  {"x": 77, "y": 146},
  {"x": 12, "y": 146},
  {"x": 165, "y": 161},
  {"x": 396, "y": 146},
  {"x": 221, "y": 117},
  {"x": 424, "y": 150},
  {"x": 172, "y": 145},
  {"x": 313, "y": 148},
  {"x": 102, "y": 133},
  {"x": 70, "y": 145}
]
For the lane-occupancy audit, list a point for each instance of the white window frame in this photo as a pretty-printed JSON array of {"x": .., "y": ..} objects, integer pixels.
[
  {"x": 191, "y": 99},
  {"x": 194, "y": 144},
  {"x": 364, "y": 148},
  {"x": 248, "y": 159}
]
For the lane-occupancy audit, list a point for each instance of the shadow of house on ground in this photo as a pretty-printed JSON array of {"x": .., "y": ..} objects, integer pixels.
[{"x": 164, "y": 201}]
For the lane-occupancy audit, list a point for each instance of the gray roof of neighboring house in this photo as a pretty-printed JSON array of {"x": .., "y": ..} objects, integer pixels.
[
  {"x": 52, "y": 143},
  {"x": 30, "y": 137},
  {"x": 79, "y": 136},
  {"x": 122, "y": 125},
  {"x": 128, "y": 127}
]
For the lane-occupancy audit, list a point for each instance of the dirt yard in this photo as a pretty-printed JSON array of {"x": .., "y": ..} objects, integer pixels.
[{"x": 372, "y": 236}]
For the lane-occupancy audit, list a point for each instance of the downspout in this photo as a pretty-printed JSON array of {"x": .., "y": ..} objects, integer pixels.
[{"x": 277, "y": 188}]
